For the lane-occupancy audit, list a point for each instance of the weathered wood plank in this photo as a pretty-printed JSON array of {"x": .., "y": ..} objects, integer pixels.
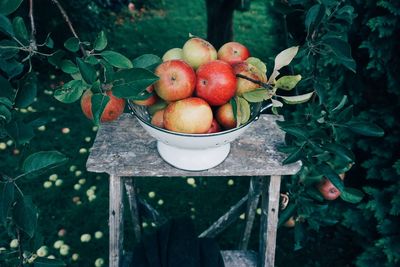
[
  {"x": 239, "y": 258},
  {"x": 116, "y": 223},
  {"x": 227, "y": 219},
  {"x": 133, "y": 206},
  {"x": 123, "y": 148},
  {"x": 269, "y": 221},
  {"x": 252, "y": 203}
]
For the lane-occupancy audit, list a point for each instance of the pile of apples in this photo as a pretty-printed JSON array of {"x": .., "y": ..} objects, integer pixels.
[{"x": 196, "y": 84}]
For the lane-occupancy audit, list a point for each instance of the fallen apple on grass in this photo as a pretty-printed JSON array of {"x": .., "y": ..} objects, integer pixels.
[{"x": 328, "y": 190}]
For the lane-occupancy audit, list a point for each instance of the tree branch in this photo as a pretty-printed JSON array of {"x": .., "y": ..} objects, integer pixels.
[
  {"x": 260, "y": 83},
  {"x": 33, "y": 28},
  {"x": 68, "y": 21}
]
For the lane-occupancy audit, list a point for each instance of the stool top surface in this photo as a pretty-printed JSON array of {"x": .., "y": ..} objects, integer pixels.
[{"x": 124, "y": 148}]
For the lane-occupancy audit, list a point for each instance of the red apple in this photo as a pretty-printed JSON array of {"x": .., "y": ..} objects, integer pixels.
[
  {"x": 290, "y": 223},
  {"x": 191, "y": 115},
  {"x": 215, "y": 128},
  {"x": 149, "y": 101},
  {"x": 248, "y": 70},
  {"x": 177, "y": 80},
  {"x": 328, "y": 190},
  {"x": 174, "y": 53},
  {"x": 158, "y": 118},
  {"x": 233, "y": 52},
  {"x": 225, "y": 117},
  {"x": 216, "y": 82},
  {"x": 114, "y": 108},
  {"x": 197, "y": 52}
]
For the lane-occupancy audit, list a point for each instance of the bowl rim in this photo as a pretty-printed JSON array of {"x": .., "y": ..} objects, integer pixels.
[{"x": 251, "y": 120}]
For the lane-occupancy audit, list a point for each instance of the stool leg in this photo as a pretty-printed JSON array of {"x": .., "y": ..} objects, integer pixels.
[
  {"x": 116, "y": 223},
  {"x": 133, "y": 205},
  {"x": 252, "y": 203},
  {"x": 269, "y": 221}
]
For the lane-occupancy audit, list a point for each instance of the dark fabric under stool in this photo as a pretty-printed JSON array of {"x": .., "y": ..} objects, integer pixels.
[{"x": 175, "y": 244}]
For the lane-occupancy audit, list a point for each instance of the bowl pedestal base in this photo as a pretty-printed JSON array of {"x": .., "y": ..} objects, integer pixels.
[{"x": 193, "y": 159}]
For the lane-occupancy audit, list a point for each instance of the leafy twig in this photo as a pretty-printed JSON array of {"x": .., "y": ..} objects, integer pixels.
[
  {"x": 260, "y": 83},
  {"x": 68, "y": 21}
]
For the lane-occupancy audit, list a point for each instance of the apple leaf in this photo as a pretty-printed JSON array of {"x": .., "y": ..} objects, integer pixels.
[
  {"x": 288, "y": 82},
  {"x": 257, "y": 95},
  {"x": 25, "y": 215},
  {"x": 87, "y": 71},
  {"x": 131, "y": 83},
  {"x": 146, "y": 61},
  {"x": 244, "y": 108},
  {"x": 99, "y": 102},
  {"x": 276, "y": 103},
  {"x": 332, "y": 176},
  {"x": 70, "y": 92},
  {"x": 72, "y": 44},
  {"x": 160, "y": 104},
  {"x": 285, "y": 57},
  {"x": 256, "y": 62},
  {"x": 298, "y": 99},
  {"x": 352, "y": 195},
  {"x": 116, "y": 59},
  {"x": 38, "y": 162},
  {"x": 9, "y": 6},
  {"x": 20, "y": 29},
  {"x": 101, "y": 42},
  {"x": 234, "y": 105},
  {"x": 68, "y": 67}
]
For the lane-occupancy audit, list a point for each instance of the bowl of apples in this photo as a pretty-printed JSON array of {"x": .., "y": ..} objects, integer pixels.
[{"x": 204, "y": 99}]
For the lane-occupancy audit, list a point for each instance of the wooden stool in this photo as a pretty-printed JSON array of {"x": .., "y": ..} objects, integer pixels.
[{"x": 123, "y": 149}]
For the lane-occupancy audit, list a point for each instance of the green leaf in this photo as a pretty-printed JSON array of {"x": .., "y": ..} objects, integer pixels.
[
  {"x": 101, "y": 41},
  {"x": 92, "y": 60},
  {"x": 6, "y": 200},
  {"x": 234, "y": 105},
  {"x": 288, "y": 82},
  {"x": 10, "y": 52},
  {"x": 27, "y": 91},
  {"x": 342, "y": 51},
  {"x": 345, "y": 115},
  {"x": 365, "y": 128},
  {"x": 99, "y": 102},
  {"x": 25, "y": 215},
  {"x": 295, "y": 131},
  {"x": 341, "y": 104},
  {"x": 160, "y": 104},
  {"x": 331, "y": 175},
  {"x": 314, "y": 17},
  {"x": 6, "y": 102},
  {"x": 130, "y": 83},
  {"x": 70, "y": 92},
  {"x": 6, "y": 89},
  {"x": 41, "y": 161},
  {"x": 56, "y": 58},
  {"x": 46, "y": 262},
  {"x": 11, "y": 67},
  {"x": 244, "y": 108},
  {"x": 6, "y": 26},
  {"x": 256, "y": 62},
  {"x": 285, "y": 57},
  {"x": 5, "y": 114},
  {"x": 276, "y": 103},
  {"x": 9, "y": 6},
  {"x": 20, "y": 29},
  {"x": 299, "y": 236},
  {"x": 294, "y": 156},
  {"x": 340, "y": 151},
  {"x": 257, "y": 95},
  {"x": 20, "y": 132},
  {"x": 72, "y": 44},
  {"x": 49, "y": 42},
  {"x": 87, "y": 71},
  {"x": 352, "y": 195},
  {"x": 116, "y": 59},
  {"x": 146, "y": 61},
  {"x": 68, "y": 67},
  {"x": 298, "y": 99}
]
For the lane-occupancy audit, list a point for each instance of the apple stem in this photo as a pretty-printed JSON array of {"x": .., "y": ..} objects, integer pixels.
[{"x": 262, "y": 84}]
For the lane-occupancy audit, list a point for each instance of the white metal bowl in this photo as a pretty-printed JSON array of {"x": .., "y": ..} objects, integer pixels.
[{"x": 193, "y": 152}]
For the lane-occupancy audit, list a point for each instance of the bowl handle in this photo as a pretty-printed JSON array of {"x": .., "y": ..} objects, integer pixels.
[
  {"x": 131, "y": 109},
  {"x": 264, "y": 107}
]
